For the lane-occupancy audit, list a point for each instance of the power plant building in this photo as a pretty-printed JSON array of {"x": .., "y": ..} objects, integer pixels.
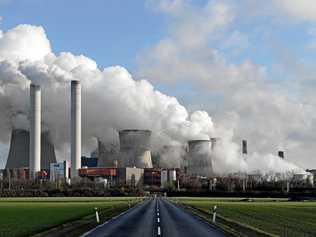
[
  {"x": 59, "y": 171},
  {"x": 135, "y": 148},
  {"x": 132, "y": 177},
  {"x": 90, "y": 162}
]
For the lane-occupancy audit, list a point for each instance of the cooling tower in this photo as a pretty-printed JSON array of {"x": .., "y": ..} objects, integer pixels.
[
  {"x": 107, "y": 154},
  {"x": 135, "y": 148},
  {"x": 75, "y": 128},
  {"x": 199, "y": 158},
  {"x": 171, "y": 156},
  {"x": 19, "y": 150}
]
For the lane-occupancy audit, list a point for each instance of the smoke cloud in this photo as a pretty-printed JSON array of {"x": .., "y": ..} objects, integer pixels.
[{"x": 111, "y": 100}]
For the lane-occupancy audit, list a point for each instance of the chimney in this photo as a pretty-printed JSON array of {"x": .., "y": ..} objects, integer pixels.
[
  {"x": 75, "y": 128},
  {"x": 35, "y": 130},
  {"x": 281, "y": 154},
  {"x": 213, "y": 143},
  {"x": 244, "y": 147}
]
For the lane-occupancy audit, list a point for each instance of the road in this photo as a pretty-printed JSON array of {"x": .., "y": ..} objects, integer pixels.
[{"x": 155, "y": 217}]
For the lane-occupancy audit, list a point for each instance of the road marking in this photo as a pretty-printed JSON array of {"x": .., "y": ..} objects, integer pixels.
[
  {"x": 110, "y": 220},
  {"x": 158, "y": 221}
]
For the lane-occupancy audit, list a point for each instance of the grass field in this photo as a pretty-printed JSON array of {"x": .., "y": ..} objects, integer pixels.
[
  {"x": 26, "y": 216},
  {"x": 275, "y": 216}
]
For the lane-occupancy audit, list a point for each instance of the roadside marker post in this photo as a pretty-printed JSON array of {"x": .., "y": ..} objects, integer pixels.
[
  {"x": 97, "y": 215},
  {"x": 214, "y": 213}
]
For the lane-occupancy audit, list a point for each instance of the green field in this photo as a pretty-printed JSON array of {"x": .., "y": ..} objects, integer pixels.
[
  {"x": 275, "y": 216},
  {"x": 26, "y": 216}
]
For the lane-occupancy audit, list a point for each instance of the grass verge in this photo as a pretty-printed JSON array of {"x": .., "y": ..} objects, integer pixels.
[
  {"x": 28, "y": 216},
  {"x": 259, "y": 217}
]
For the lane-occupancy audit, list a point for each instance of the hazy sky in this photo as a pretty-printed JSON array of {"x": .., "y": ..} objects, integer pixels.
[{"x": 248, "y": 63}]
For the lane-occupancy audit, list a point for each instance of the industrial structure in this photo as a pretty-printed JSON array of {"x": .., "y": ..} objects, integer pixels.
[
  {"x": 89, "y": 161},
  {"x": 75, "y": 128},
  {"x": 135, "y": 148},
  {"x": 199, "y": 158},
  {"x": 244, "y": 147},
  {"x": 214, "y": 142},
  {"x": 281, "y": 154},
  {"x": 129, "y": 162},
  {"x": 171, "y": 156},
  {"x": 19, "y": 155},
  {"x": 107, "y": 154},
  {"x": 59, "y": 171},
  {"x": 35, "y": 130}
]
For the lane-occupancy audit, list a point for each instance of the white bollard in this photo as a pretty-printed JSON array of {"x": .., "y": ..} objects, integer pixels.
[
  {"x": 214, "y": 214},
  {"x": 97, "y": 215}
]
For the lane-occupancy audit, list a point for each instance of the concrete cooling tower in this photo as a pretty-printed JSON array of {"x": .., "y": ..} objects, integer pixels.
[
  {"x": 171, "y": 156},
  {"x": 199, "y": 158},
  {"x": 19, "y": 150},
  {"x": 135, "y": 148},
  {"x": 107, "y": 154}
]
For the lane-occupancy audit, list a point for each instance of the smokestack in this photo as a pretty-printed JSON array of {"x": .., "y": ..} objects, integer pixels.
[
  {"x": 281, "y": 154},
  {"x": 75, "y": 128},
  {"x": 244, "y": 147},
  {"x": 35, "y": 130},
  {"x": 213, "y": 142}
]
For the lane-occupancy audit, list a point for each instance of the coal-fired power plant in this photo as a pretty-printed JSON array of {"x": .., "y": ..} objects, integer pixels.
[
  {"x": 135, "y": 148},
  {"x": 19, "y": 155},
  {"x": 199, "y": 158},
  {"x": 35, "y": 130},
  {"x": 75, "y": 128},
  {"x": 129, "y": 161}
]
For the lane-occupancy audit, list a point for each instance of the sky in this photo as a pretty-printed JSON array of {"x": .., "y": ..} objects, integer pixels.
[
  {"x": 110, "y": 32},
  {"x": 248, "y": 63}
]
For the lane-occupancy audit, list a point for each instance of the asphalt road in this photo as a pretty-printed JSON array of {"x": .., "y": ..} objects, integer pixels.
[{"x": 155, "y": 217}]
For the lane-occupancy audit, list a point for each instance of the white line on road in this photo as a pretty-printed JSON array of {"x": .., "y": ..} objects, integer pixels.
[
  {"x": 158, "y": 219},
  {"x": 112, "y": 219},
  {"x": 157, "y": 213},
  {"x": 159, "y": 232}
]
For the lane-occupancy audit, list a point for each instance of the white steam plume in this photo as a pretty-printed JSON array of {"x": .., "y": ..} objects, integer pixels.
[{"x": 111, "y": 98}]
